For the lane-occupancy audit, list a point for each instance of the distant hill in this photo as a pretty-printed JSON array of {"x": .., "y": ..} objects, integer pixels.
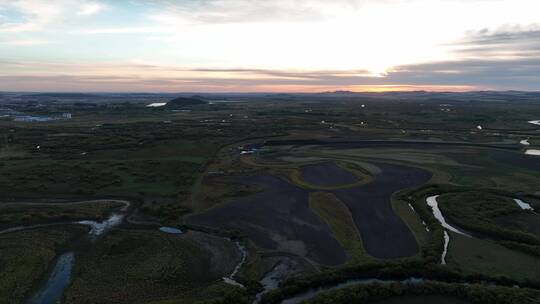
[
  {"x": 342, "y": 92},
  {"x": 186, "y": 101},
  {"x": 63, "y": 95}
]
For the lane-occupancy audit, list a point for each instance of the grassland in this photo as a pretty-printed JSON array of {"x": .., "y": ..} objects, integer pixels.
[
  {"x": 147, "y": 266},
  {"x": 333, "y": 171},
  {"x": 471, "y": 255},
  {"x": 478, "y": 212},
  {"x": 25, "y": 258},
  {"x": 413, "y": 221},
  {"x": 429, "y": 291},
  {"x": 338, "y": 217},
  {"x": 176, "y": 165},
  {"x": 17, "y": 214}
]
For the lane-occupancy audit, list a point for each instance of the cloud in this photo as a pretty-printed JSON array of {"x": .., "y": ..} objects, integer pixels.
[
  {"x": 24, "y": 42},
  {"x": 39, "y": 15},
  {"x": 36, "y": 15},
  {"x": 91, "y": 8},
  {"x": 508, "y": 59},
  {"x": 475, "y": 70},
  {"x": 513, "y": 42},
  {"x": 241, "y": 11},
  {"x": 305, "y": 44},
  {"x": 523, "y": 74},
  {"x": 129, "y": 30},
  {"x": 520, "y": 74}
]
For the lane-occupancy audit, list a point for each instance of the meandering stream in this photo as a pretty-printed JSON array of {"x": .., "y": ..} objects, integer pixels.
[
  {"x": 52, "y": 290},
  {"x": 445, "y": 250},
  {"x": 432, "y": 202},
  {"x": 231, "y": 278}
]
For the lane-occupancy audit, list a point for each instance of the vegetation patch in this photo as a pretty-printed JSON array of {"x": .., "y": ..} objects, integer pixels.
[
  {"x": 16, "y": 214},
  {"x": 329, "y": 176},
  {"x": 478, "y": 211},
  {"x": 473, "y": 255},
  {"x": 338, "y": 217},
  {"x": 467, "y": 294},
  {"x": 142, "y": 266},
  {"x": 26, "y": 257}
]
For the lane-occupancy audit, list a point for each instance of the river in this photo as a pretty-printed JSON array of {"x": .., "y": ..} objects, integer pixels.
[
  {"x": 53, "y": 289},
  {"x": 51, "y": 292}
]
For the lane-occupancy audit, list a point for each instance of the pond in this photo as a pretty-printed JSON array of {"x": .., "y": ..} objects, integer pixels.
[
  {"x": 523, "y": 205},
  {"x": 156, "y": 104},
  {"x": 170, "y": 230},
  {"x": 32, "y": 118},
  {"x": 532, "y": 152}
]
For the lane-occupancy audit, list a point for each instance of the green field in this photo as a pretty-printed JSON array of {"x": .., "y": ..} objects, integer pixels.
[
  {"x": 172, "y": 164},
  {"x": 146, "y": 266},
  {"x": 471, "y": 256},
  {"x": 25, "y": 258},
  {"x": 338, "y": 217}
]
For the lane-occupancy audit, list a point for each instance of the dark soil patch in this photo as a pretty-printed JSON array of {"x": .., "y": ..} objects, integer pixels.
[
  {"x": 519, "y": 160},
  {"x": 277, "y": 218},
  {"x": 354, "y": 144},
  {"x": 383, "y": 233},
  {"x": 427, "y": 299},
  {"x": 327, "y": 174}
]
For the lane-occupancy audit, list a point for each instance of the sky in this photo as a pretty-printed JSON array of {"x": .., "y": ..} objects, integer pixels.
[{"x": 269, "y": 45}]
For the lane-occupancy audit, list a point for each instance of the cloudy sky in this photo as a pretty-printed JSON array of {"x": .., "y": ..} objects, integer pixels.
[{"x": 269, "y": 46}]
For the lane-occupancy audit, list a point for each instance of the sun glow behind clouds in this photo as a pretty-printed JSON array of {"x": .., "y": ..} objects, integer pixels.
[
  {"x": 370, "y": 36},
  {"x": 219, "y": 44}
]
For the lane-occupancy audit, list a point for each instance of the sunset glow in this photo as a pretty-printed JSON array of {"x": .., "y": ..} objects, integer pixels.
[{"x": 240, "y": 45}]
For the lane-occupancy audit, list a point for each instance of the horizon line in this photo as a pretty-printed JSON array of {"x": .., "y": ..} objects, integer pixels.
[{"x": 264, "y": 92}]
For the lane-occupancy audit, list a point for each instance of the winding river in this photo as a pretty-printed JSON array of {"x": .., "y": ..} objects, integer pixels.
[
  {"x": 52, "y": 290},
  {"x": 432, "y": 202},
  {"x": 231, "y": 278},
  {"x": 445, "y": 250}
]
